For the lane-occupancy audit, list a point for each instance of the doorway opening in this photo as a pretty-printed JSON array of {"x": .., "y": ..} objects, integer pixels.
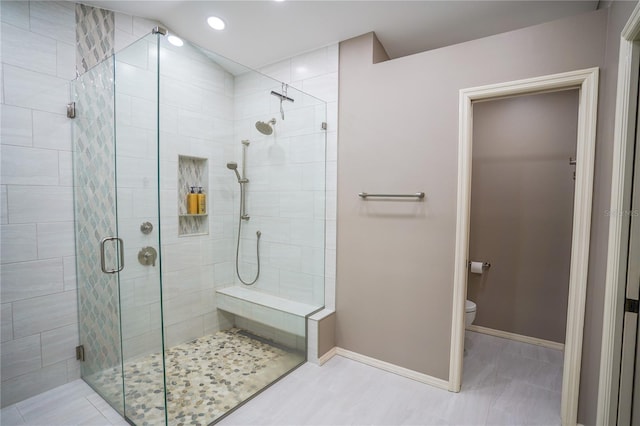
[
  {"x": 522, "y": 191},
  {"x": 585, "y": 81}
]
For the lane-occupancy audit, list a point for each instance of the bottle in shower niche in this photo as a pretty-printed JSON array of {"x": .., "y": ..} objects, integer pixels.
[
  {"x": 202, "y": 201},
  {"x": 192, "y": 201}
]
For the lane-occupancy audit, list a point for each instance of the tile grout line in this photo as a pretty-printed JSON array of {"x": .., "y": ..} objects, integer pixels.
[
  {"x": 20, "y": 412},
  {"x": 41, "y": 295},
  {"x": 97, "y": 408}
]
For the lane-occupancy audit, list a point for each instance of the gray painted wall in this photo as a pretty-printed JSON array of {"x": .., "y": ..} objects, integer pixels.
[
  {"x": 326, "y": 334},
  {"x": 522, "y": 194},
  {"x": 396, "y": 260}
]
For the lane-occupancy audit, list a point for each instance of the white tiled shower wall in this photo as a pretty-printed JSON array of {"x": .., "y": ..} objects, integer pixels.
[
  {"x": 292, "y": 204},
  {"x": 38, "y": 290},
  {"x": 285, "y": 193},
  {"x": 196, "y": 119},
  {"x": 316, "y": 73},
  {"x": 39, "y": 319},
  {"x": 198, "y": 103}
]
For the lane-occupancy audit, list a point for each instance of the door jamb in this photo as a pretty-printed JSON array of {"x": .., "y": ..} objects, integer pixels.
[
  {"x": 587, "y": 82},
  {"x": 615, "y": 282}
]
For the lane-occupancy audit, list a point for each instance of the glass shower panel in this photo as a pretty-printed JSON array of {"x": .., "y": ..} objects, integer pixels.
[
  {"x": 95, "y": 219},
  {"x": 137, "y": 192},
  {"x": 117, "y": 231},
  {"x": 225, "y": 341},
  {"x": 196, "y": 127},
  {"x": 286, "y": 196},
  {"x": 174, "y": 336}
]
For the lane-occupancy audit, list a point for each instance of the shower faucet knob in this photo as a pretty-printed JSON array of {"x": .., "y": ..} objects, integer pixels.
[
  {"x": 147, "y": 256},
  {"x": 146, "y": 228}
]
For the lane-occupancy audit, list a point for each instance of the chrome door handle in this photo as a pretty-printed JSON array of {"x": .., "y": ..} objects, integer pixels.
[{"x": 103, "y": 265}]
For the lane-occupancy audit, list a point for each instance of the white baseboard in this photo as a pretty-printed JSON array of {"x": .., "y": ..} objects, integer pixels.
[
  {"x": 392, "y": 368},
  {"x": 517, "y": 337},
  {"x": 326, "y": 357}
]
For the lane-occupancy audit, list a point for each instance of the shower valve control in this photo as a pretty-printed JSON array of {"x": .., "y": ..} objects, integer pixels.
[
  {"x": 146, "y": 228},
  {"x": 147, "y": 256}
]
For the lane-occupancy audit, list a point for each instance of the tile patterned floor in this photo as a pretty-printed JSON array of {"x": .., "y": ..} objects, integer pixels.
[
  {"x": 205, "y": 378},
  {"x": 72, "y": 404},
  {"x": 504, "y": 383}
]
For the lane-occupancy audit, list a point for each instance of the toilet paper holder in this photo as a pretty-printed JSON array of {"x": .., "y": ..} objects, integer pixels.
[{"x": 485, "y": 265}]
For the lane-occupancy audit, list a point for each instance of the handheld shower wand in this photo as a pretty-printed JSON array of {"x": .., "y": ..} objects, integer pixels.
[{"x": 232, "y": 165}]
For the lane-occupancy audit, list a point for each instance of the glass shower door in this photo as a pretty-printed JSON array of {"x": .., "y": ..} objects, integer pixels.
[
  {"x": 95, "y": 219},
  {"x": 117, "y": 232}
]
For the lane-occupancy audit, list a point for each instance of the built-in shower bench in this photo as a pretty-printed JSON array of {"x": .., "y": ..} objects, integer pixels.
[{"x": 274, "y": 311}]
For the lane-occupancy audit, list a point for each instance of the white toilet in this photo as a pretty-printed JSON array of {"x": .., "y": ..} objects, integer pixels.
[{"x": 469, "y": 313}]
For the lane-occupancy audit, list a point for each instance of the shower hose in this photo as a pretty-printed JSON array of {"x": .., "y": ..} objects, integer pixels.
[{"x": 258, "y": 234}]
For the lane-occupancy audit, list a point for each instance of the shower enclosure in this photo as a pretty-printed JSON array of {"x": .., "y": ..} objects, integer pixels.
[{"x": 168, "y": 332}]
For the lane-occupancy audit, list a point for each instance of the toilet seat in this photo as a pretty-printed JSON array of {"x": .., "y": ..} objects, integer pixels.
[{"x": 469, "y": 306}]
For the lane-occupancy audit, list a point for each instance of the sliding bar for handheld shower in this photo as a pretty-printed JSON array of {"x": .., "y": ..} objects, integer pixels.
[{"x": 245, "y": 145}]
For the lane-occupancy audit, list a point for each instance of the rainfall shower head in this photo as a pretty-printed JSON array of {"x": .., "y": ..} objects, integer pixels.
[
  {"x": 265, "y": 128},
  {"x": 232, "y": 165}
]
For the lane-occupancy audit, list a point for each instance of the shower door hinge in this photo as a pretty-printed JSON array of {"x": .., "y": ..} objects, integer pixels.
[
  {"x": 71, "y": 110},
  {"x": 631, "y": 305},
  {"x": 80, "y": 353},
  {"x": 159, "y": 30},
  {"x": 324, "y": 125}
]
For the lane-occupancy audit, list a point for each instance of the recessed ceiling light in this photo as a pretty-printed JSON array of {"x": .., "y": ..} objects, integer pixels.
[
  {"x": 278, "y": 0},
  {"x": 216, "y": 23},
  {"x": 176, "y": 41}
]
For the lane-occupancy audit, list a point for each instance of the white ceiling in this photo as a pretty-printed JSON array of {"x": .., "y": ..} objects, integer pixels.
[{"x": 263, "y": 32}]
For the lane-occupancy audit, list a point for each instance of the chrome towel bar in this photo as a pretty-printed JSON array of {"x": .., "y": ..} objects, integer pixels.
[{"x": 418, "y": 195}]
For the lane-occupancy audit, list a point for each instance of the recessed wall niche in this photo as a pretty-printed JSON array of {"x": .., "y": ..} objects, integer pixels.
[{"x": 192, "y": 172}]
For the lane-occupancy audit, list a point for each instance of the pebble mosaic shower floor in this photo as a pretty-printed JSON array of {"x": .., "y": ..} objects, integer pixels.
[{"x": 205, "y": 378}]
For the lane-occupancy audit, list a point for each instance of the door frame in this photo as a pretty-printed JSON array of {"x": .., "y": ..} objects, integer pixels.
[
  {"x": 586, "y": 81},
  {"x": 621, "y": 186}
]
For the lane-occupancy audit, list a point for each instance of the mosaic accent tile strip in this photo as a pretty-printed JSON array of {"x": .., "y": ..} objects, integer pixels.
[
  {"x": 192, "y": 225},
  {"x": 95, "y": 218},
  {"x": 205, "y": 378},
  {"x": 95, "y": 36}
]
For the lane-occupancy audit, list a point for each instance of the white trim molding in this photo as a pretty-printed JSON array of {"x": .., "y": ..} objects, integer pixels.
[
  {"x": 621, "y": 181},
  {"x": 586, "y": 81},
  {"x": 327, "y": 356},
  {"x": 392, "y": 368},
  {"x": 516, "y": 337}
]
